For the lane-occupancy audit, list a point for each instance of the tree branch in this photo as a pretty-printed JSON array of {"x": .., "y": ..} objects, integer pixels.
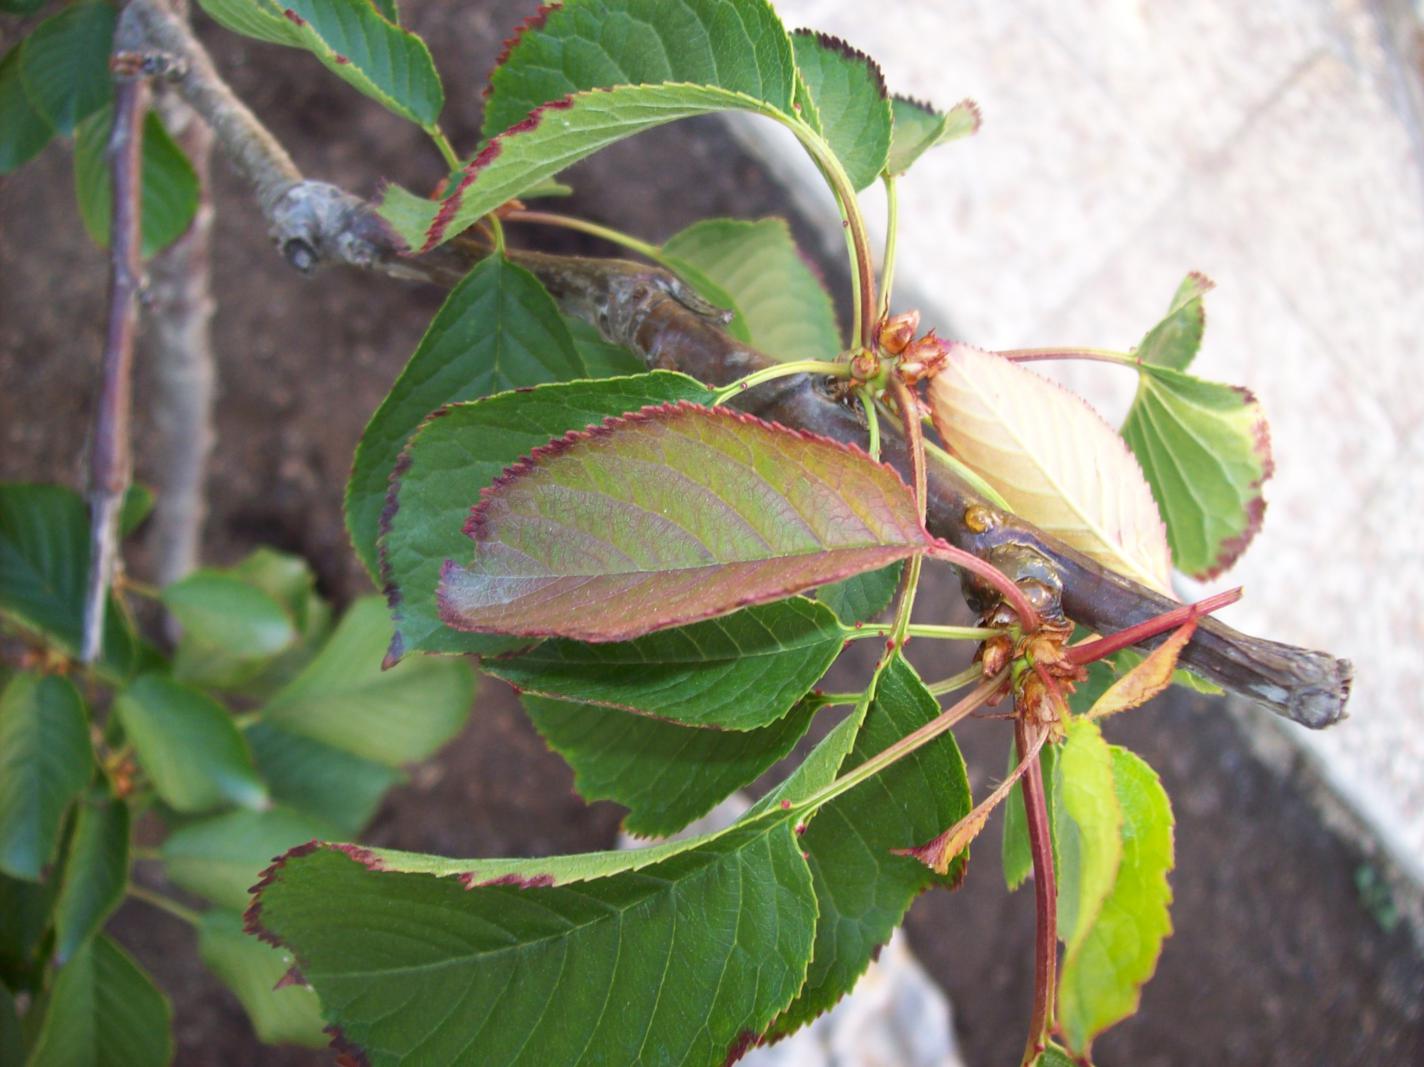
[
  {"x": 111, "y": 455},
  {"x": 651, "y": 312}
]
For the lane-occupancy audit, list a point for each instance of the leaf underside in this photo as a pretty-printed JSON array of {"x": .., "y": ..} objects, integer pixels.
[{"x": 669, "y": 516}]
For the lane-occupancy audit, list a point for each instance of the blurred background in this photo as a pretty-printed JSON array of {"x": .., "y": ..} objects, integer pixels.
[{"x": 1278, "y": 147}]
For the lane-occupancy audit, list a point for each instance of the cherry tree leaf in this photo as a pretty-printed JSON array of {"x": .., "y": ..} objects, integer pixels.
[
  {"x": 781, "y": 301},
  {"x": 862, "y": 887},
  {"x": 569, "y": 47},
  {"x": 919, "y": 127},
  {"x": 354, "y": 40},
  {"x": 1105, "y": 968},
  {"x": 664, "y": 773},
  {"x": 1174, "y": 341},
  {"x": 65, "y": 63},
  {"x": 219, "y": 857},
  {"x": 852, "y": 106},
  {"x": 168, "y": 183},
  {"x": 1053, "y": 458},
  {"x": 459, "y": 451},
  {"x": 498, "y": 329},
  {"x": 1206, "y": 451},
  {"x": 1089, "y": 825},
  {"x": 282, "y": 1012},
  {"x": 863, "y": 597},
  {"x": 1146, "y": 678},
  {"x": 670, "y": 516},
  {"x": 684, "y": 951},
  {"x": 96, "y": 873},
  {"x": 23, "y": 130},
  {"x": 740, "y": 672},
  {"x": 579, "y": 76}
]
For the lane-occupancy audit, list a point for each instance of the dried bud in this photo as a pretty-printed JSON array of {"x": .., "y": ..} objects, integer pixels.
[
  {"x": 924, "y": 358},
  {"x": 995, "y": 654},
  {"x": 895, "y": 333},
  {"x": 864, "y": 365}
]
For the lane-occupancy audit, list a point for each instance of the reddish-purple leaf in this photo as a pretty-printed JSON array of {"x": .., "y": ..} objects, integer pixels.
[{"x": 668, "y": 516}]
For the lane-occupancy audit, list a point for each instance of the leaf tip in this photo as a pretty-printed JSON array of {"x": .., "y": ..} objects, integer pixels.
[
  {"x": 529, "y": 24},
  {"x": 745, "y": 1042},
  {"x": 845, "y": 50}
]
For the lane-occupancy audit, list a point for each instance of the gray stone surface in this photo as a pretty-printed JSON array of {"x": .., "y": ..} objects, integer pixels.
[{"x": 1276, "y": 146}]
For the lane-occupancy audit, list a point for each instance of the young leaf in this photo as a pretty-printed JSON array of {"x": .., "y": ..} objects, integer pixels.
[
  {"x": 231, "y": 629},
  {"x": 354, "y": 40},
  {"x": 325, "y": 782},
  {"x": 23, "y": 130},
  {"x": 188, "y": 745},
  {"x": 452, "y": 457},
  {"x": 1053, "y": 458},
  {"x": 95, "y": 875},
  {"x": 282, "y": 1012},
  {"x": 1206, "y": 451},
  {"x": 1089, "y": 830},
  {"x": 919, "y": 127},
  {"x": 783, "y": 305},
  {"x": 65, "y": 64},
  {"x": 684, "y": 959},
  {"x": 1143, "y": 681},
  {"x": 104, "y": 1011},
  {"x": 740, "y": 672},
  {"x": 665, "y": 774},
  {"x": 862, "y": 597},
  {"x": 219, "y": 858},
  {"x": 44, "y": 565},
  {"x": 555, "y": 136},
  {"x": 45, "y": 761},
  {"x": 852, "y": 105},
  {"x": 862, "y": 888},
  {"x": 1174, "y": 341},
  {"x": 1104, "y": 971},
  {"x": 670, "y": 516},
  {"x": 344, "y": 699},
  {"x": 597, "y": 44},
  {"x": 497, "y": 330},
  {"x": 169, "y": 185}
]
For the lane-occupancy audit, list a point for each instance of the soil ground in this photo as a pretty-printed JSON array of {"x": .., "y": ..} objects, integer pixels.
[{"x": 1276, "y": 958}]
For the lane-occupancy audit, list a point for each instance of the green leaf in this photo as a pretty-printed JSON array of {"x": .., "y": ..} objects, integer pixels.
[
  {"x": 1174, "y": 341},
  {"x": 45, "y": 761},
  {"x": 169, "y": 191},
  {"x": 65, "y": 64},
  {"x": 25, "y": 909},
  {"x": 919, "y": 127},
  {"x": 740, "y": 672},
  {"x": 281, "y": 1014},
  {"x": 188, "y": 745},
  {"x": 136, "y": 507},
  {"x": 1089, "y": 828},
  {"x": 96, "y": 873},
  {"x": 355, "y": 40},
  {"x": 344, "y": 699},
  {"x": 21, "y": 7},
  {"x": 1206, "y": 451},
  {"x": 670, "y": 516},
  {"x": 12, "y": 1037},
  {"x": 1104, "y": 970},
  {"x": 220, "y": 857},
  {"x": 23, "y": 130},
  {"x": 308, "y": 776},
  {"x": 684, "y": 959},
  {"x": 862, "y": 888},
  {"x": 738, "y": 46},
  {"x": 499, "y": 329},
  {"x": 557, "y": 135},
  {"x": 861, "y": 598},
  {"x": 665, "y": 774},
  {"x": 451, "y": 458},
  {"x": 785, "y": 309},
  {"x": 231, "y": 629},
  {"x": 104, "y": 1011},
  {"x": 600, "y": 358},
  {"x": 1016, "y": 855},
  {"x": 852, "y": 105},
  {"x": 44, "y": 565},
  {"x": 1053, "y": 1056}
]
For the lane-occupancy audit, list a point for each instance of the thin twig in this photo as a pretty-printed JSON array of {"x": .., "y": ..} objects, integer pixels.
[{"x": 111, "y": 455}]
